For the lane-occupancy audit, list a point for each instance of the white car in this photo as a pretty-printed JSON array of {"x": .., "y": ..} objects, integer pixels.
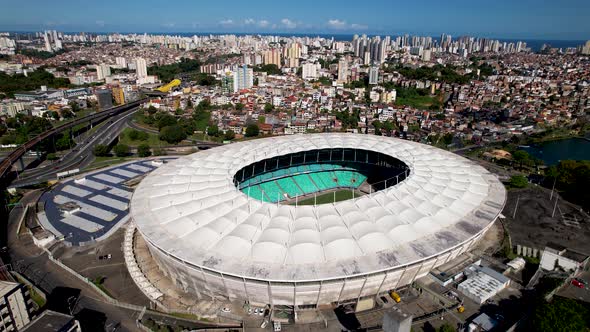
[
  {"x": 264, "y": 324},
  {"x": 226, "y": 309}
]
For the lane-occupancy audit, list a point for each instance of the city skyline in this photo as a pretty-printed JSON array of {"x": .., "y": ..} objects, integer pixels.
[{"x": 492, "y": 20}]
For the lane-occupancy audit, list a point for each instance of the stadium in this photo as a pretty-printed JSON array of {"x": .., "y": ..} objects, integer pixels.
[{"x": 315, "y": 220}]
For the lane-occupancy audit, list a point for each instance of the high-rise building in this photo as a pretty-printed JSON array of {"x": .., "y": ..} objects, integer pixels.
[
  {"x": 586, "y": 48},
  {"x": 272, "y": 56},
  {"x": 15, "y": 306},
  {"x": 119, "y": 95},
  {"x": 243, "y": 78},
  {"x": 227, "y": 82},
  {"x": 47, "y": 43},
  {"x": 141, "y": 67},
  {"x": 374, "y": 75},
  {"x": 309, "y": 71},
  {"x": 343, "y": 71},
  {"x": 104, "y": 98},
  {"x": 103, "y": 71},
  {"x": 121, "y": 62}
]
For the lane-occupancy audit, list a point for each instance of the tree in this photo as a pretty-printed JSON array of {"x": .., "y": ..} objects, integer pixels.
[
  {"x": 239, "y": 106},
  {"x": 172, "y": 134},
  {"x": 74, "y": 106},
  {"x": 521, "y": 157},
  {"x": 213, "y": 130},
  {"x": 268, "y": 108},
  {"x": 518, "y": 181},
  {"x": 64, "y": 142},
  {"x": 164, "y": 120},
  {"x": 560, "y": 314},
  {"x": 252, "y": 130},
  {"x": 446, "y": 327},
  {"x": 101, "y": 150},
  {"x": 229, "y": 135},
  {"x": 143, "y": 150},
  {"x": 121, "y": 150}
]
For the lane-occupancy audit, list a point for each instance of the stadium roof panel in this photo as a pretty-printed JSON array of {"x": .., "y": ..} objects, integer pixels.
[{"x": 191, "y": 209}]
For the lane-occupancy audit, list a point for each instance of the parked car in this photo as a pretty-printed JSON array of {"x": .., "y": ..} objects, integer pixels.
[
  {"x": 226, "y": 309},
  {"x": 277, "y": 326},
  {"x": 578, "y": 284}
]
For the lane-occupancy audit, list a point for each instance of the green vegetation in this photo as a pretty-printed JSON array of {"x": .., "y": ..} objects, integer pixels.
[
  {"x": 40, "y": 54},
  {"x": 229, "y": 135},
  {"x": 152, "y": 325},
  {"x": 252, "y": 130},
  {"x": 121, "y": 150},
  {"x": 416, "y": 98},
  {"x": 204, "y": 79},
  {"x": 222, "y": 58},
  {"x": 340, "y": 195},
  {"x": 348, "y": 119},
  {"x": 167, "y": 73},
  {"x": 19, "y": 82},
  {"x": 323, "y": 81},
  {"x": 127, "y": 138},
  {"x": 172, "y": 134},
  {"x": 518, "y": 181},
  {"x": 270, "y": 69},
  {"x": 101, "y": 150},
  {"x": 572, "y": 179},
  {"x": 144, "y": 150},
  {"x": 99, "y": 282},
  {"x": 561, "y": 314},
  {"x": 446, "y": 327}
]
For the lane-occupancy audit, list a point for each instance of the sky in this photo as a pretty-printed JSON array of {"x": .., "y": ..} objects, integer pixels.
[{"x": 511, "y": 19}]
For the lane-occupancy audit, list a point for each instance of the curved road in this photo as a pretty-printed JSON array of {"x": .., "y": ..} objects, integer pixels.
[{"x": 79, "y": 157}]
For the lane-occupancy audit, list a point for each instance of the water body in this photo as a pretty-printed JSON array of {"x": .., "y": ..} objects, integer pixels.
[{"x": 552, "y": 152}]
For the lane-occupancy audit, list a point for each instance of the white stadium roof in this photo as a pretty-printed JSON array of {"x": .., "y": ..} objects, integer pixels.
[{"x": 191, "y": 209}]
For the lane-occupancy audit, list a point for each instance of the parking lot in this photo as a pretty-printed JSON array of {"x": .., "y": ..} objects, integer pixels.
[{"x": 86, "y": 208}]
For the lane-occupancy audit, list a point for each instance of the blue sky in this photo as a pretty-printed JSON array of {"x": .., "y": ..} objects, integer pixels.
[{"x": 541, "y": 19}]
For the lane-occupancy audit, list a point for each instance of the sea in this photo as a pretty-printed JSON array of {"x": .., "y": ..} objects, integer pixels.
[{"x": 534, "y": 44}]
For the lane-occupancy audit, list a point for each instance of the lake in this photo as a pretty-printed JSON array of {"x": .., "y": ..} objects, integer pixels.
[{"x": 552, "y": 152}]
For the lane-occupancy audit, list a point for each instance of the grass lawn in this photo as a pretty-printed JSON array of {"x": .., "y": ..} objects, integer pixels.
[
  {"x": 341, "y": 195},
  {"x": 152, "y": 141},
  {"x": 79, "y": 114}
]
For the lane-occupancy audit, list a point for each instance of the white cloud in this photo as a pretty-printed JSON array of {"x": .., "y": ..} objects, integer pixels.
[
  {"x": 356, "y": 26},
  {"x": 249, "y": 21},
  {"x": 100, "y": 23},
  {"x": 168, "y": 25},
  {"x": 337, "y": 24},
  {"x": 287, "y": 23},
  {"x": 226, "y": 22},
  {"x": 263, "y": 23}
]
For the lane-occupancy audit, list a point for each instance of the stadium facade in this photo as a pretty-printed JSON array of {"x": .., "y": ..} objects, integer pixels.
[{"x": 221, "y": 223}]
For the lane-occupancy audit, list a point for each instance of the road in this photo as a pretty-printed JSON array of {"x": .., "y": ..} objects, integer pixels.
[
  {"x": 34, "y": 264},
  {"x": 79, "y": 157}
]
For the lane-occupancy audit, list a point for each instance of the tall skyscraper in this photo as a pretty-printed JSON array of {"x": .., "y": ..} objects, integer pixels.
[
  {"x": 141, "y": 67},
  {"x": 586, "y": 48},
  {"x": 121, "y": 62}
]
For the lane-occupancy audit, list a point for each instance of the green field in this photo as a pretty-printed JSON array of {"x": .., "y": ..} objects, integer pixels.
[
  {"x": 341, "y": 195},
  {"x": 153, "y": 140}
]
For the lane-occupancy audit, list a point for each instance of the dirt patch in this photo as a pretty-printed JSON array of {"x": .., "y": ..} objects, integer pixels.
[{"x": 534, "y": 226}]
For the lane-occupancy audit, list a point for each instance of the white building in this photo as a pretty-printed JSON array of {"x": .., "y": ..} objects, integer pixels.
[
  {"x": 557, "y": 256},
  {"x": 140, "y": 67},
  {"x": 310, "y": 71},
  {"x": 374, "y": 75},
  {"x": 243, "y": 78},
  {"x": 103, "y": 71},
  {"x": 482, "y": 283},
  {"x": 121, "y": 62},
  {"x": 15, "y": 306}
]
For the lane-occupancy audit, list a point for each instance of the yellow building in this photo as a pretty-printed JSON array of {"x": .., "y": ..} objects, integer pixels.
[{"x": 119, "y": 95}]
